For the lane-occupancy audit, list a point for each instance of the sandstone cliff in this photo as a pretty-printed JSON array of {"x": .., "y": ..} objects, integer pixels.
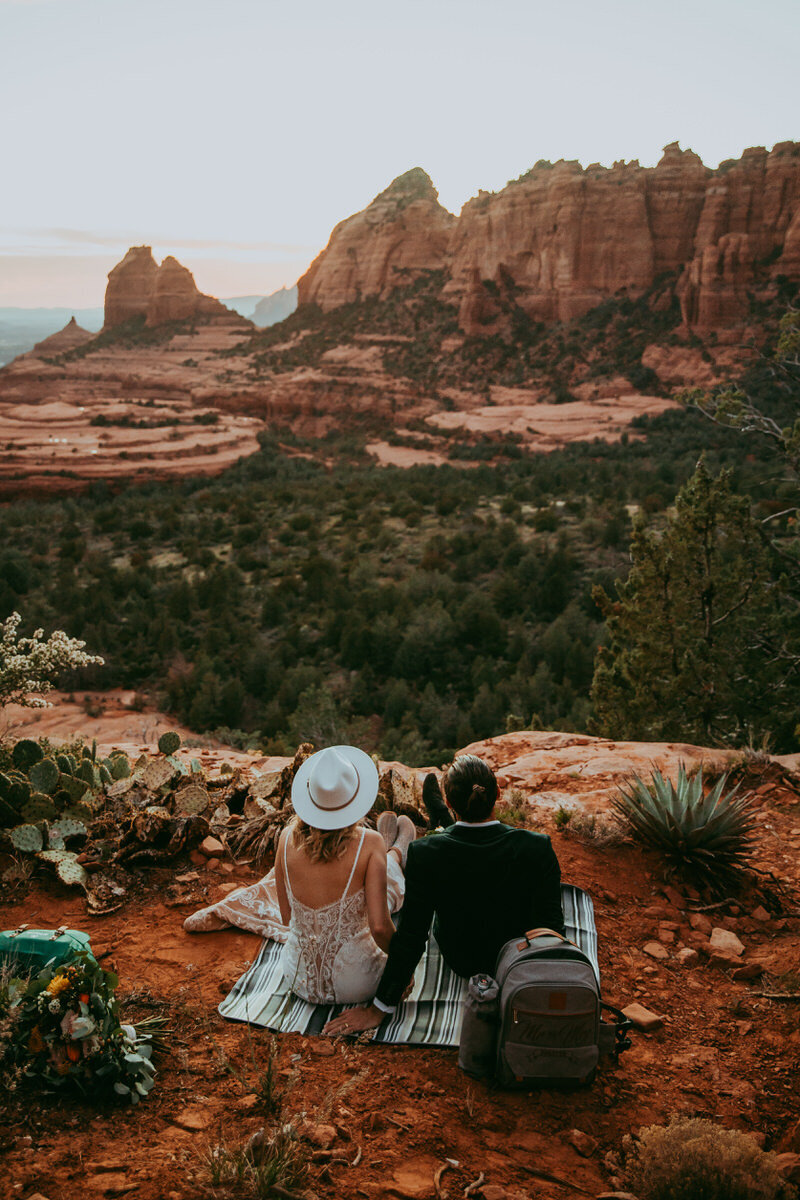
[
  {"x": 139, "y": 287},
  {"x": 403, "y": 231},
  {"x": 561, "y": 239}
]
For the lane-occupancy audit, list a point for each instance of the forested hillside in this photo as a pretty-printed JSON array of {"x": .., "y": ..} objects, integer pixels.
[{"x": 409, "y": 611}]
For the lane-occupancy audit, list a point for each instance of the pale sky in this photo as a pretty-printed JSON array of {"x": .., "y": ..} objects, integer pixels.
[{"x": 236, "y": 133}]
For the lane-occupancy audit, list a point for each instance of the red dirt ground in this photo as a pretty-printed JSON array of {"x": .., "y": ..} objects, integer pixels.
[{"x": 725, "y": 1052}]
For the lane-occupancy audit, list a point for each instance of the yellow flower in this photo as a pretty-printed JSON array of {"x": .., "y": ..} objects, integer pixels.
[
  {"x": 58, "y": 984},
  {"x": 36, "y": 1043}
]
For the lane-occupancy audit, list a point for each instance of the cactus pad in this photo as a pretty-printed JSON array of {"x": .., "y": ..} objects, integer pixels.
[
  {"x": 25, "y": 754},
  {"x": 119, "y": 787},
  {"x": 157, "y": 772},
  {"x": 105, "y": 775},
  {"x": 169, "y": 742},
  {"x": 68, "y": 828},
  {"x": 19, "y": 792},
  {"x": 191, "y": 800},
  {"x": 27, "y": 838},
  {"x": 38, "y": 808},
  {"x": 44, "y": 776},
  {"x": 119, "y": 766},
  {"x": 77, "y": 812},
  {"x": 66, "y": 864},
  {"x": 75, "y": 788}
]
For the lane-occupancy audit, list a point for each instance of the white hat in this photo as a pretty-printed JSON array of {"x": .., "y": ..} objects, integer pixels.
[{"x": 335, "y": 787}]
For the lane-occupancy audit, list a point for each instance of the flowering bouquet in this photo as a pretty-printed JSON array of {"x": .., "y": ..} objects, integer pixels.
[{"x": 63, "y": 1028}]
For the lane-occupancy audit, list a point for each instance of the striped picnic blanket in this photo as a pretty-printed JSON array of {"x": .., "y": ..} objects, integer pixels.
[{"x": 432, "y": 1014}]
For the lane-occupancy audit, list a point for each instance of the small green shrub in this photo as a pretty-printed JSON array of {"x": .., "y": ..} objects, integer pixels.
[{"x": 693, "y": 1159}]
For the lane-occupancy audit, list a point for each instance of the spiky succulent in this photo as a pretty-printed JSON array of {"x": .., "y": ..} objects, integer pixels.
[
  {"x": 26, "y": 752},
  {"x": 169, "y": 742},
  {"x": 44, "y": 776},
  {"x": 706, "y": 834}
]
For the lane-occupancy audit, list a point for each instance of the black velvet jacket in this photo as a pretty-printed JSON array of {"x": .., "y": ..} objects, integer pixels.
[{"x": 482, "y": 886}]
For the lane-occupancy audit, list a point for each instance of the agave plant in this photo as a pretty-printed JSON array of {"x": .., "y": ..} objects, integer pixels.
[{"x": 708, "y": 835}]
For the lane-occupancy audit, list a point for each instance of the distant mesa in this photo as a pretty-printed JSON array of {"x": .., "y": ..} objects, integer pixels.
[
  {"x": 68, "y": 338},
  {"x": 139, "y": 287}
]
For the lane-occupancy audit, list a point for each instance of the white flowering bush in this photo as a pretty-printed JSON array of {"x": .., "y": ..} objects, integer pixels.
[{"x": 28, "y": 665}]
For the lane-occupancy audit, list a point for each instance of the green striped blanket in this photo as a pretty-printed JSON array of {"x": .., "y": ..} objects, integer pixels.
[{"x": 431, "y": 1016}]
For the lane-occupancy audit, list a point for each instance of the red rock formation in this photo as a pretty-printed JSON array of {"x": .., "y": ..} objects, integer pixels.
[
  {"x": 68, "y": 338},
  {"x": 404, "y": 229},
  {"x": 561, "y": 239},
  {"x": 130, "y": 286},
  {"x": 138, "y": 287},
  {"x": 175, "y": 296},
  {"x": 749, "y": 225}
]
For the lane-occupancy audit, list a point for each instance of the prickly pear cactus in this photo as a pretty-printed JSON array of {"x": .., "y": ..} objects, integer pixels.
[
  {"x": 169, "y": 742},
  {"x": 67, "y": 828},
  {"x": 67, "y": 763},
  {"x": 27, "y": 838},
  {"x": 44, "y": 776},
  {"x": 76, "y": 789},
  {"x": 119, "y": 787},
  {"x": 119, "y": 766},
  {"x": 105, "y": 775},
  {"x": 157, "y": 772},
  {"x": 38, "y": 808},
  {"x": 20, "y": 791},
  {"x": 25, "y": 753},
  {"x": 191, "y": 799},
  {"x": 77, "y": 812},
  {"x": 89, "y": 773},
  {"x": 66, "y": 864}
]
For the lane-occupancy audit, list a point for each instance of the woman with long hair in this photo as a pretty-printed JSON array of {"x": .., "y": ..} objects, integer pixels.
[{"x": 334, "y": 886}]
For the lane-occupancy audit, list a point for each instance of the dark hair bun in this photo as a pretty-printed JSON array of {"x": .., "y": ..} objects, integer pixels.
[{"x": 471, "y": 788}]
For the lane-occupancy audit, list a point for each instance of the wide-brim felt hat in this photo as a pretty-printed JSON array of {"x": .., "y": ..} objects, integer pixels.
[{"x": 335, "y": 787}]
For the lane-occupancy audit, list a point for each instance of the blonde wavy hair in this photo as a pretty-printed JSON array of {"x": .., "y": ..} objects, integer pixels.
[{"x": 321, "y": 845}]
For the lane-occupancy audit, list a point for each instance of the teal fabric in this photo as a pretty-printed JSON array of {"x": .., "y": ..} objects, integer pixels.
[{"x": 27, "y": 951}]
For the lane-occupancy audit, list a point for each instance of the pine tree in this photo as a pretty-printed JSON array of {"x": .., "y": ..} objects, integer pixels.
[{"x": 694, "y": 647}]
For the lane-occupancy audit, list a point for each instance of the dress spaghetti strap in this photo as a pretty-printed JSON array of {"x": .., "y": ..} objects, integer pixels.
[{"x": 355, "y": 863}]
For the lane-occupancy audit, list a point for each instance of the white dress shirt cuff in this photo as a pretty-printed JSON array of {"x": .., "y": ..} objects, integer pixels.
[{"x": 384, "y": 1008}]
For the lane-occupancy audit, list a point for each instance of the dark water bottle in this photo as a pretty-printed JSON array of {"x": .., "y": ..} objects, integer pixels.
[{"x": 477, "y": 1051}]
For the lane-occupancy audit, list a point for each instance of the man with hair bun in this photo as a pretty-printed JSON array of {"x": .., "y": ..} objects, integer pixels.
[{"x": 480, "y": 882}]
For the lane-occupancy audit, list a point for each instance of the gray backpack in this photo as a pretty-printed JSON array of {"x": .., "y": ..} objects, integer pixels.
[{"x": 539, "y": 1020}]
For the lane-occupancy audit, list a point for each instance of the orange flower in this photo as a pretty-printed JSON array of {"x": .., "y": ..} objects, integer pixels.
[
  {"x": 36, "y": 1043},
  {"x": 74, "y": 1053},
  {"x": 84, "y": 997}
]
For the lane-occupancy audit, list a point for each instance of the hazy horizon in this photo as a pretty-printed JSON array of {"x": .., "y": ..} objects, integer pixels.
[{"x": 237, "y": 139}]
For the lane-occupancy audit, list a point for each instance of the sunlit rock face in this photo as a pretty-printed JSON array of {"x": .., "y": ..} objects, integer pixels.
[
  {"x": 139, "y": 287},
  {"x": 562, "y": 239},
  {"x": 403, "y": 231}
]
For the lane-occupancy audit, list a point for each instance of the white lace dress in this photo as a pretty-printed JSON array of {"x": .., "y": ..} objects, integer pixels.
[{"x": 329, "y": 956}]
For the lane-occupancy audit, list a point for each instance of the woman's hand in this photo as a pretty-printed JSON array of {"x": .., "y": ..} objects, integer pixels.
[{"x": 355, "y": 1020}]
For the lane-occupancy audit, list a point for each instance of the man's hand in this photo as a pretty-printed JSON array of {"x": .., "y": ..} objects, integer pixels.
[{"x": 355, "y": 1020}]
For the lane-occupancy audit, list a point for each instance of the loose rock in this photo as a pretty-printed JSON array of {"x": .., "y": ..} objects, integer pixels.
[
  {"x": 582, "y": 1142},
  {"x": 687, "y": 957},
  {"x": 642, "y": 1018},
  {"x": 725, "y": 942},
  {"x": 655, "y": 950},
  {"x": 212, "y": 847}
]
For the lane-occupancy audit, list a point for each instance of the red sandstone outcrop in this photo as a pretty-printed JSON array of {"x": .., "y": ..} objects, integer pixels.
[
  {"x": 130, "y": 286},
  {"x": 404, "y": 230},
  {"x": 68, "y": 338},
  {"x": 561, "y": 239},
  {"x": 139, "y": 287},
  {"x": 175, "y": 296}
]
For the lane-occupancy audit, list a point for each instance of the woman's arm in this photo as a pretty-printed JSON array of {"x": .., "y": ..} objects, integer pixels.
[
  {"x": 280, "y": 881},
  {"x": 380, "y": 920}
]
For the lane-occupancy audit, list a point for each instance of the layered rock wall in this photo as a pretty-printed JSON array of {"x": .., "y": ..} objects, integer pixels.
[
  {"x": 139, "y": 287},
  {"x": 562, "y": 239},
  {"x": 403, "y": 231}
]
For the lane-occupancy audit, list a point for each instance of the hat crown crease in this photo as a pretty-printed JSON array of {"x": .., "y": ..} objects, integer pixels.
[{"x": 334, "y": 781}]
